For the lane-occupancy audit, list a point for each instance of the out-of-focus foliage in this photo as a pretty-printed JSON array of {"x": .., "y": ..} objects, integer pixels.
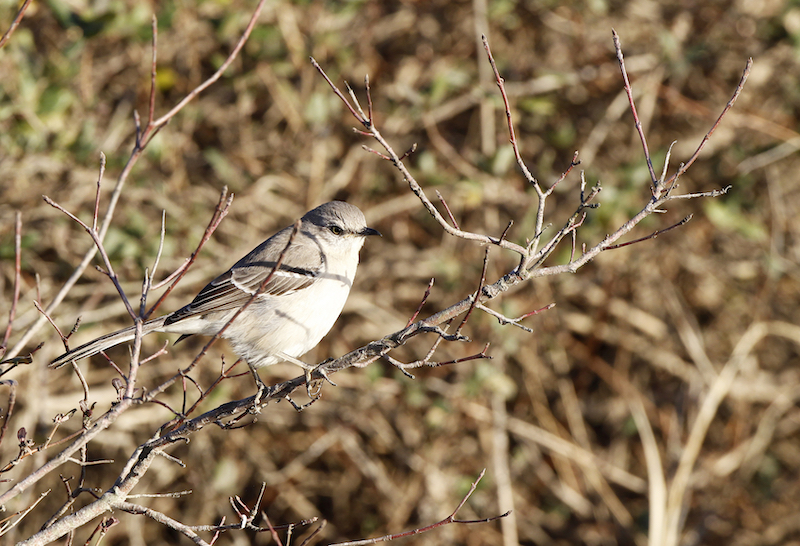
[{"x": 382, "y": 453}]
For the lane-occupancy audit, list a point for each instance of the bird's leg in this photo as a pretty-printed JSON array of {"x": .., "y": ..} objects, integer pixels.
[
  {"x": 313, "y": 391},
  {"x": 260, "y": 385},
  {"x": 321, "y": 369}
]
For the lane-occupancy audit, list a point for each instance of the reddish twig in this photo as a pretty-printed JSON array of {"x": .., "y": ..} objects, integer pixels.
[
  {"x": 476, "y": 298},
  {"x": 95, "y": 235},
  {"x": 541, "y": 194},
  {"x": 64, "y": 338},
  {"x": 361, "y": 119},
  {"x": 422, "y": 303},
  {"x": 652, "y": 235},
  {"x": 449, "y": 212},
  {"x": 15, "y": 23},
  {"x": 637, "y": 122},
  {"x": 224, "y": 374},
  {"x": 374, "y": 151},
  {"x": 512, "y": 136},
  {"x": 220, "y": 212},
  {"x": 161, "y": 351},
  {"x": 403, "y": 367},
  {"x": 272, "y": 530},
  {"x": 315, "y": 532},
  {"x": 446, "y": 521},
  {"x": 152, "y": 103},
  {"x": 505, "y": 231},
  {"x": 502, "y": 319},
  {"x": 572, "y": 164},
  {"x": 160, "y": 122},
  {"x": 728, "y": 106},
  {"x": 96, "y": 211},
  {"x": 408, "y": 152}
]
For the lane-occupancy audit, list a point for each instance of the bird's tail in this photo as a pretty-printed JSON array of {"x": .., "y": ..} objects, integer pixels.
[{"x": 106, "y": 342}]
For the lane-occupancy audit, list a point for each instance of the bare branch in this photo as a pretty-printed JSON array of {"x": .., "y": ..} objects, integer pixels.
[
  {"x": 412, "y": 183},
  {"x": 446, "y": 521},
  {"x": 728, "y": 106}
]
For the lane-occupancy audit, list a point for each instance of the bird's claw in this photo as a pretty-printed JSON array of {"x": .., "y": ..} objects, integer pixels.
[{"x": 314, "y": 387}]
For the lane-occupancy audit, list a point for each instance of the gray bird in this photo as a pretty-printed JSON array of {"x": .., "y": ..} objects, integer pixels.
[{"x": 298, "y": 306}]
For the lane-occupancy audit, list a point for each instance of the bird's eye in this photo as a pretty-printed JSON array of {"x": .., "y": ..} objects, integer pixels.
[{"x": 336, "y": 230}]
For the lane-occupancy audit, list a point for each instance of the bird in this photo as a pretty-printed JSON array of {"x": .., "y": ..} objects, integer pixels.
[{"x": 294, "y": 310}]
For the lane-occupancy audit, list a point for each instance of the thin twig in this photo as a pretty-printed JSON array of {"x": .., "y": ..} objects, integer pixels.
[
  {"x": 160, "y": 122},
  {"x": 412, "y": 183},
  {"x": 449, "y": 519},
  {"x": 652, "y": 235},
  {"x": 476, "y": 298},
  {"x": 12, "y": 400},
  {"x": 12, "y": 313},
  {"x": 403, "y": 367},
  {"x": 712, "y": 193},
  {"x": 572, "y": 164},
  {"x": 10, "y": 525},
  {"x": 96, "y": 211},
  {"x": 152, "y": 103},
  {"x": 421, "y": 303},
  {"x": 512, "y": 136},
  {"x": 220, "y": 212},
  {"x": 15, "y": 23},
  {"x": 637, "y": 123},
  {"x": 449, "y": 212},
  {"x": 728, "y": 106},
  {"x": 95, "y": 235}
]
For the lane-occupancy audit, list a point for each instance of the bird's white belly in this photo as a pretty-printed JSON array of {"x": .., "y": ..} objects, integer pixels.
[{"x": 292, "y": 326}]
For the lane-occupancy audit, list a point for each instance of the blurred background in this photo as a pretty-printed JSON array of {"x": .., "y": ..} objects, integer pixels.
[{"x": 550, "y": 417}]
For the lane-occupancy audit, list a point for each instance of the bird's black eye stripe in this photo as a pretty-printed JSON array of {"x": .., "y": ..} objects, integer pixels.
[{"x": 336, "y": 230}]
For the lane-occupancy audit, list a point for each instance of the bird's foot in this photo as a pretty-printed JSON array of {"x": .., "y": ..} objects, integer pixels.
[
  {"x": 263, "y": 391},
  {"x": 314, "y": 387}
]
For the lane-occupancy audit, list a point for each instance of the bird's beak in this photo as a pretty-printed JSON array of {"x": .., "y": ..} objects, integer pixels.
[{"x": 367, "y": 231}]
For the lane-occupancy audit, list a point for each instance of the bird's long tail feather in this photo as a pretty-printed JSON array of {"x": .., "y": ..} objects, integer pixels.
[{"x": 106, "y": 342}]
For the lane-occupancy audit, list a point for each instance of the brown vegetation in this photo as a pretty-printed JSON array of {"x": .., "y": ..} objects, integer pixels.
[{"x": 652, "y": 333}]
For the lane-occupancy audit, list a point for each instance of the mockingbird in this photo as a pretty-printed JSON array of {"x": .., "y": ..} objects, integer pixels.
[{"x": 295, "y": 309}]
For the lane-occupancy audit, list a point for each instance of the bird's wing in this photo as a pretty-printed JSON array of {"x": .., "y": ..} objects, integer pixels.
[{"x": 236, "y": 286}]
